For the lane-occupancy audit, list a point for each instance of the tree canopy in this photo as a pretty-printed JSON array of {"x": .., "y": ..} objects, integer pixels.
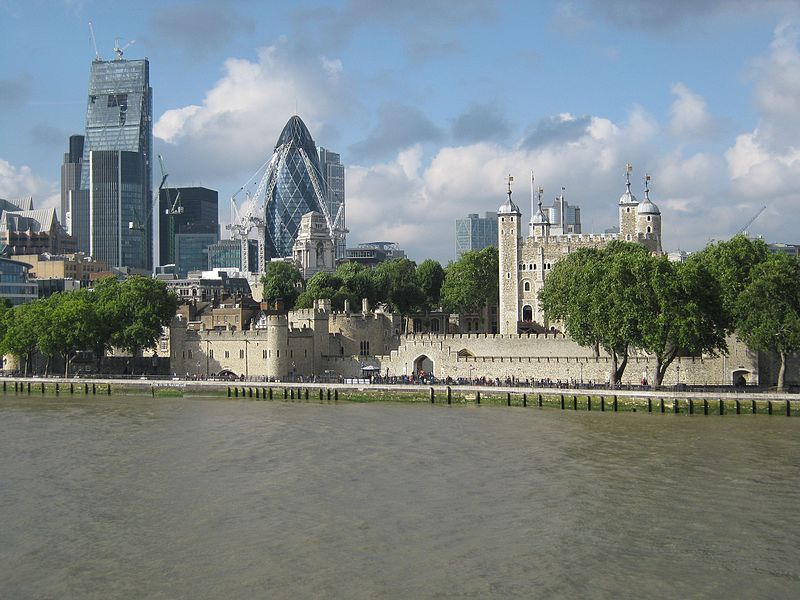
[
  {"x": 471, "y": 282},
  {"x": 281, "y": 281},
  {"x": 768, "y": 309}
]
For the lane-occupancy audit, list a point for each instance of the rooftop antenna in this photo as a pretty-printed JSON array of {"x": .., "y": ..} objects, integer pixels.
[
  {"x": 97, "y": 56},
  {"x": 119, "y": 50},
  {"x": 628, "y": 171},
  {"x": 532, "y": 195}
]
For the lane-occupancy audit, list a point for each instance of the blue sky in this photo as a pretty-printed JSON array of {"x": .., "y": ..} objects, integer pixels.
[{"x": 431, "y": 104}]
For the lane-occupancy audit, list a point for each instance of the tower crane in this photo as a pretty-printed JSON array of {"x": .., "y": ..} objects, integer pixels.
[
  {"x": 97, "y": 56},
  {"x": 119, "y": 50},
  {"x": 751, "y": 220}
]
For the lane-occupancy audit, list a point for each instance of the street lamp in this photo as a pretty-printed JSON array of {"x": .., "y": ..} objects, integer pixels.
[
  {"x": 678, "y": 369},
  {"x": 470, "y": 373}
]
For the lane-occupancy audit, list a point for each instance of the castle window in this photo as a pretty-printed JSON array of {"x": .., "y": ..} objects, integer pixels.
[
  {"x": 534, "y": 267},
  {"x": 628, "y": 209},
  {"x": 531, "y": 266},
  {"x": 211, "y": 354},
  {"x": 502, "y": 219},
  {"x": 305, "y": 353},
  {"x": 508, "y": 275},
  {"x": 277, "y": 353},
  {"x": 241, "y": 353},
  {"x": 227, "y": 354},
  {"x": 527, "y": 286},
  {"x": 263, "y": 354},
  {"x": 189, "y": 352},
  {"x": 628, "y": 237},
  {"x": 649, "y": 218},
  {"x": 522, "y": 266},
  {"x": 648, "y": 229}
]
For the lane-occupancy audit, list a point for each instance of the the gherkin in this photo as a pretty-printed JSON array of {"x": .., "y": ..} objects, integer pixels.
[{"x": 295, "y": 187}]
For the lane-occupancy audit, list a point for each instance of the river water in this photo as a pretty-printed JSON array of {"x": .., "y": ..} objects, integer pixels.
[{"x": 130, "y": 497}]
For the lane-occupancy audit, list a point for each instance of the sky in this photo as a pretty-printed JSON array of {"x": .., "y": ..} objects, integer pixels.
[{"x": 431, "y": 104}]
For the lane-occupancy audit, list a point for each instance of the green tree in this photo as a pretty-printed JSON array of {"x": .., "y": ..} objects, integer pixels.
[
  {"x": 731, "y": 263},
  {"x": 681, "y": 312},
  {"x": 21, "y": 335},
  {"x": 66, "y": 329},
  {"x": 396, "y": 285},
  {"x": 281, "y": 281},
  {"x": 768, "y": 309},
  {"x": 430, "y": 277},
  {"x": 144, "y": 306},
  {"x": 595, "y": 294},
  {"x": 471, "y": 282}
]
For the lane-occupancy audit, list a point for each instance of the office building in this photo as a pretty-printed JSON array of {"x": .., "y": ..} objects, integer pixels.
[
  {"x": 115, "y": 202},
  {"x": 78, "y": 267},
  {"x": 227, "y": 254},
  {"x": 191, "y": 252},
  {"x": 295, "y": 187},
  {"x": 191, "y": 212},
  {"x": 33, "y": 231},
  {"x": 572, "y": 221},
  {"x": 475, "y": 233},
  {"x": 333, "y": 173},
  {"x": 16, "y": 285},
  {"x": 71, "y": 185}
]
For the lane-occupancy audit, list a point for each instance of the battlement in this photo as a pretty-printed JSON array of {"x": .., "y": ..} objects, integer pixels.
[{"x": 575, "y": 238}]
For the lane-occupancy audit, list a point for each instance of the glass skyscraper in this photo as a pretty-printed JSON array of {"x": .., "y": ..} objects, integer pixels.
[
  {"x": 196, "y": 212},
  {"x": 475, "y": 233},
  {"x": 333, "y": 172},
  {"x": 116, "y": 185},
  {"x": 295, "y": 186}
]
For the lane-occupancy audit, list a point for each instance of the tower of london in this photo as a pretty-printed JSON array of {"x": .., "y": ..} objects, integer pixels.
[{"x": 526, "y": 261}]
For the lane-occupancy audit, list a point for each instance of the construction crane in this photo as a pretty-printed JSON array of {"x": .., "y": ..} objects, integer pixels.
[
  {"x": 140, "y": 222},
  {"x": 751, "y": 221},
  {"x": 119, "y": 50},
  {"x": 97, "y": 56}
]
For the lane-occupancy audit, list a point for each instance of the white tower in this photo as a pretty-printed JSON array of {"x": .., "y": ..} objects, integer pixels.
[{"x": 508, "y": 236}]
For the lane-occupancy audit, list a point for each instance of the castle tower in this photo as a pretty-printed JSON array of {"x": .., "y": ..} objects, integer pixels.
[
  {"x": 627, "y": 209},
  {"x": 508, "y": 237},
  {"x": 278, "y": 363},
  {"x": 540, "y": 225},
  {"x": 648, "y": 221}
]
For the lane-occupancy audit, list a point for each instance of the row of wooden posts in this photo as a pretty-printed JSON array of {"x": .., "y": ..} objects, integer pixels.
[
  {"x": 611, "y": 403},
  {"x": 267, "y": 393},
  {"x": 86, "y": 388},
  {"x": 291, "y": 393}
]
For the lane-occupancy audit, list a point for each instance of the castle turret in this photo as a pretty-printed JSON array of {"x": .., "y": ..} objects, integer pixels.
[
  {"x": 508, "y": 223},
  {"x": 278, "y": 346},
  {"x": 648, "y": 221},
  {"x": 627, "y": 209}
]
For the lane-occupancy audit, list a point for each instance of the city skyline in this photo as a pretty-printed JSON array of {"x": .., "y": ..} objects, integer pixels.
[{"x": 431, "y": 106}]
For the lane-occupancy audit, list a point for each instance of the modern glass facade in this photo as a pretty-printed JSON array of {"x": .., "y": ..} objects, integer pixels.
[
  {"x": 295, "y": 187},
  {"x": 227, "y": 254},
  {"x": 191, "y": 251},
  {"x": 71, "y": 180},
  {"x": 15, "y": 284},
  {"x": 333, "y": 172},
  {"x": 195, "y": 213},
  {"x": 475, "y": 233},
  {"x": 116, "y": 166}
]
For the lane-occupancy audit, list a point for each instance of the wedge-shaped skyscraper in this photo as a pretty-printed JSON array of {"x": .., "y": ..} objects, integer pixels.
[{"x": 114, "y": 206}]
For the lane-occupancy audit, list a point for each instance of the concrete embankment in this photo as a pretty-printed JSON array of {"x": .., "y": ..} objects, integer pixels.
[{"x": 604, "y": 400}]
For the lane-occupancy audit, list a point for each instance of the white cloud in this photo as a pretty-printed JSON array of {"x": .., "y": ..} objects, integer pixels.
[
  {"x": 689, "y": 116},
  {"x": 235, "y": 128},
  {"x": 19, "y": 182}
]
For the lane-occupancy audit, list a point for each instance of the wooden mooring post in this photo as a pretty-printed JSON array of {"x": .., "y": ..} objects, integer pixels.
[
  {"x": 433, "y": 396},
  {"x": 449, "y": 395}
]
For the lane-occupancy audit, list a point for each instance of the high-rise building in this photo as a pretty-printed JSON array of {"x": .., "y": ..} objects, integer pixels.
[
  {"x": 187, "y": 211},
  {"x": 333, "y": 172},
  {"x": 475, "y": 233},
  {"x": 572, "y": 216},
  {"x": 71, "y": 183},
  {"x": 116, "y": 168},
  {"x": 295, "y": 186},
  {"x": 227, "y": 254}
]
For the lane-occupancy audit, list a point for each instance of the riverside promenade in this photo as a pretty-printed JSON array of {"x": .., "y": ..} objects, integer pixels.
[{"x": 663, "y": 400}]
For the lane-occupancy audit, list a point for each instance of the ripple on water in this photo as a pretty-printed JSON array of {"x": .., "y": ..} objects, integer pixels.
[{"x": 135, "y": 497}]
